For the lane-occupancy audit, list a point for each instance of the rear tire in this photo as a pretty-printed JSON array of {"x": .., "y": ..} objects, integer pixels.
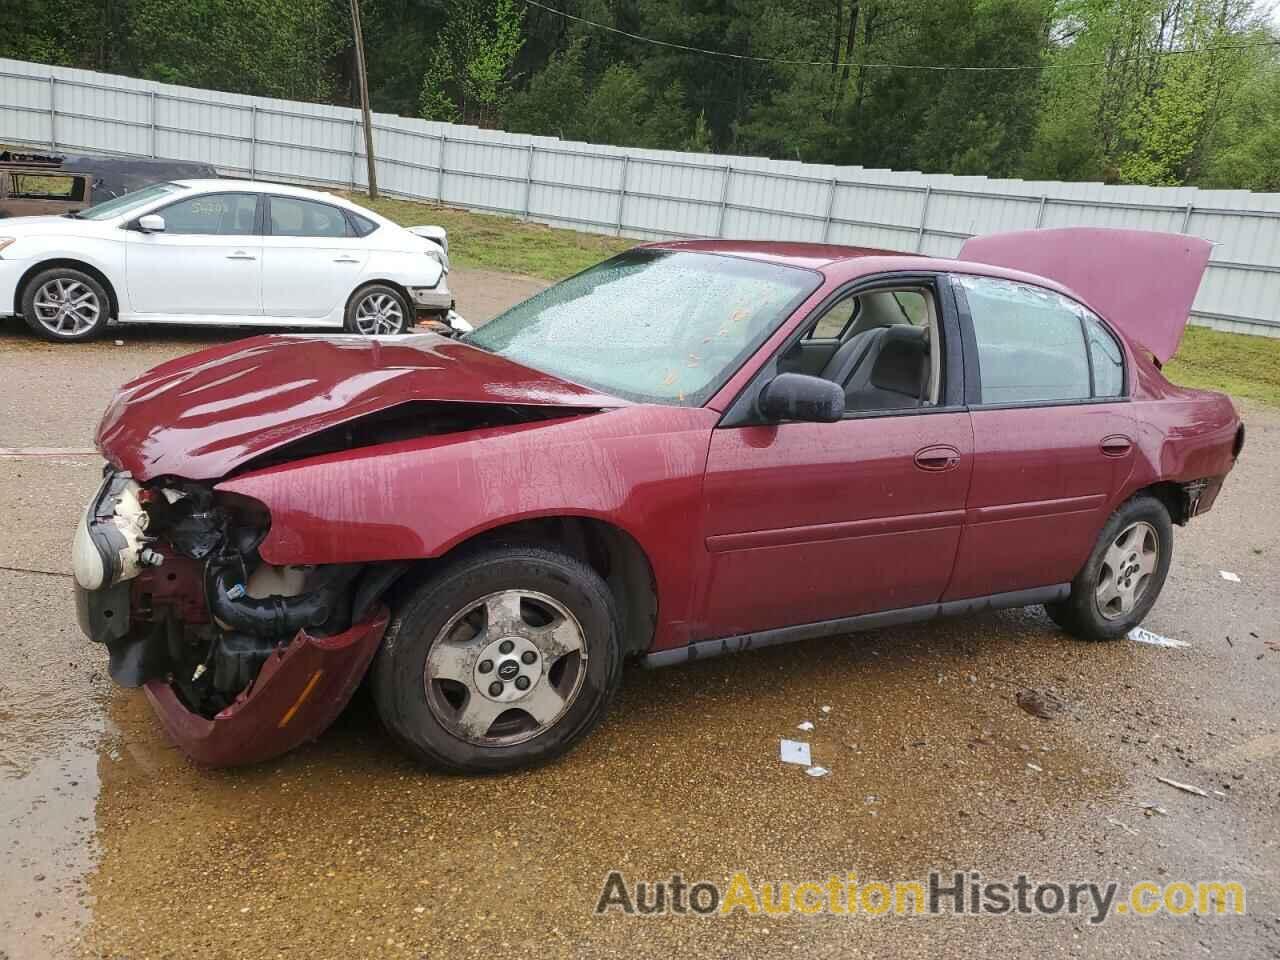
[
  {"x": 379, "y": 309},
  {"x": 1122, "y": 579},
  {"x": 65, "y": 305},
  {"x": 504, "y": 659}
]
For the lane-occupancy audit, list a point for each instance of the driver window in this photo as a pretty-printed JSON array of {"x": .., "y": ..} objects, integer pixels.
[{"x": 888, "y": 356}]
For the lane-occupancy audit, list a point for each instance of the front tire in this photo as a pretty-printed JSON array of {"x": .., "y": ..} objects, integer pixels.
[
  {"x": 1122, "y": 579},
  {"x": 505, "y": 659},
  {"x": 379, "y": 310},
  {"x": 65, "y": 305}
]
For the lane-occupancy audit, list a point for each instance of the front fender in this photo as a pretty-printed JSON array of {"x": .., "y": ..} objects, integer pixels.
[{"x": 638, "y": 468}]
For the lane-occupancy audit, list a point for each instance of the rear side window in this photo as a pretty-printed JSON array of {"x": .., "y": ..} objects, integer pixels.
[
  {"x": 220, "y": 214},
  {"x": 291, "y": 217},
  {"x": 1030, "y": 342},
  {"x": 1108, "y": 360},
  {"x": 362, "y": 226}
]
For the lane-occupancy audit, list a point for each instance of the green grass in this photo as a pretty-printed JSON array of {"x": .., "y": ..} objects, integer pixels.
[
  {"x": 1235, "y": 363},
  {"x": 482, "y": 241},
  {"x": 1238, "y": 364}
]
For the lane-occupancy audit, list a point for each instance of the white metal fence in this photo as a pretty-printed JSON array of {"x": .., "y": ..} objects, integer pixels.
[{"x": 632, "y": 192}]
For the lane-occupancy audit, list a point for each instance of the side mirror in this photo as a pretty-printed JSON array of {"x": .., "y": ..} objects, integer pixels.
[
  {"x": 798, "y": 396},
  {"x": 151, "y": 223}
]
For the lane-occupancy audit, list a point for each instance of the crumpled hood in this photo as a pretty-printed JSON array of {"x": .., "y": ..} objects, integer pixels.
[{"x": 202, "y": 415}]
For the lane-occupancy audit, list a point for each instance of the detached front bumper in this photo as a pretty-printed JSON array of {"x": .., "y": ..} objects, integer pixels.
[{"x": 299, "y": 692}]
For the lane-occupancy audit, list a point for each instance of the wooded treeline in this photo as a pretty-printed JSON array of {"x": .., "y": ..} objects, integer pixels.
[{"x": 1130, "y": 91}]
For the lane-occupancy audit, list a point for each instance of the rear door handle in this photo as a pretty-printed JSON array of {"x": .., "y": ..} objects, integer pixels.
[
  {"x": 937, "y": 458},
  {"x": 1116, "y": 445},
  {"x": 240, "y": 255},
  {"x": 345, "y": 260}
]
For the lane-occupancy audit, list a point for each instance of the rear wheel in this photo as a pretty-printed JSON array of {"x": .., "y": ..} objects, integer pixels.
[
  {"x": 1123, "y": 577},
  {"x": 65, "y": 305},
  {"x": 505, "y": 659},
  {"x": 379, "y": 309}
]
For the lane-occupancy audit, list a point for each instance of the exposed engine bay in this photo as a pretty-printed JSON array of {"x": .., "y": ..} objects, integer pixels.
[
  {"x": 169, "y": 576},
  {"x": 171, "y": 581}
]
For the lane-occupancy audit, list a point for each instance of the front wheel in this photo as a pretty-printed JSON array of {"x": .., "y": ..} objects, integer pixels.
[
  {"x": 503, "y": 660},
  {"x": 1123, "y": 577},
  {"x": 379, "y": 309},
  {"x": 65, "y": 305}
]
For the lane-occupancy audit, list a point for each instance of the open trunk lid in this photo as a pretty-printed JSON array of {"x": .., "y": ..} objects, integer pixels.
[{"x": 1142, "y": 282}]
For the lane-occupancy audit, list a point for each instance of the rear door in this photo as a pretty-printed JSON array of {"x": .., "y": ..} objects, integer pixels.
[
  {"x": 1052, "y": 433},
  {"x": 809, "y": 522},
  {"x": 207, "y": 263},
  {"x": 312, "y": 259}
]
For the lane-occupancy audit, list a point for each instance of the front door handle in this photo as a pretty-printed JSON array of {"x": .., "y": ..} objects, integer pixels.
[
  {"x": 241, "y": 255},
  {"x": 938, "y": 458},
  {"x": 345, "y": 260},
  {"x": 1116, "y": 445}
]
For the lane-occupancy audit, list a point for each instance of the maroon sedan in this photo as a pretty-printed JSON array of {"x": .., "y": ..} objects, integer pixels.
[{"x": 691, "y": 449}]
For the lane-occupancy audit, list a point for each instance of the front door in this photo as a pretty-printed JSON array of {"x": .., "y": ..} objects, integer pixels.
[
  {"x": 206, "y": 262},
  {"x": 1053, "y": 437},
  {"x": 808, "y": 522}
]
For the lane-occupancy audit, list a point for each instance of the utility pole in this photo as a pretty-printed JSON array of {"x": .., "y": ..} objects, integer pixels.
[{"x": 363, "y": 78}]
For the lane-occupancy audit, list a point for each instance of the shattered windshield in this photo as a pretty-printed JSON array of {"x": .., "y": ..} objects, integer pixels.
[{"x": 651, "y": 325}]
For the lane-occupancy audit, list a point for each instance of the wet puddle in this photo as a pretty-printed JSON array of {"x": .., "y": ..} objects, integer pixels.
[
  {"x": 345, "y": 849},
  {"x": 52, "y": 708}
]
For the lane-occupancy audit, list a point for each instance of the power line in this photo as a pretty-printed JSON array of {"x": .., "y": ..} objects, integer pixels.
[{"x": 898, "y": 66}]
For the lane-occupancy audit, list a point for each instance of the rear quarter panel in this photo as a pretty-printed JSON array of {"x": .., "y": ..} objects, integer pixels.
[
  {"x": 639, "y": 468},
  {"x": 1182, "y": 434}
]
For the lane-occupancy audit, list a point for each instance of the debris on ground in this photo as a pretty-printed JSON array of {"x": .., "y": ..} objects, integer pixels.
[
  {"x": 796, "y": 751},
  {"x": 1148, "y": 809},
  {"x": 817, "y": 771},
  {"x": 1229, "y": 576},
  {"x": 1041, "y": 703},
  {"x": 806, "y": 726},
  {"x": 825, "y": 708},
  {"x": 1123, "y": 826},
  {"x": 1185, "y": 787},
  {"x": 1140, "y": 635},
  {"x": 1036, "y": 767}
]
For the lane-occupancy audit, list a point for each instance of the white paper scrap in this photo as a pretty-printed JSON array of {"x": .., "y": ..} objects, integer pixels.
[
  {"x": 1229, "y": 576},
  {"x": 1139, "y": 635},
  {"x": 806, "y": 726},
  {"x": 817, "y": 771},
  {"x": 796, "y": 751}
]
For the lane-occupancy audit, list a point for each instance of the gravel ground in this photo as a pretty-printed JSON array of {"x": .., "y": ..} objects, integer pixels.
[{"x": 116, "y": 847}]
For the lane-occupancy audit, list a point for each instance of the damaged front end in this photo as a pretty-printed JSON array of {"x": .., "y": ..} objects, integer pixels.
[{"x": 242, "y": 659}]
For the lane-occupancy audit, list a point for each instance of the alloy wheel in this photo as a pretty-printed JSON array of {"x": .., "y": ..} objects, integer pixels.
[
  {"x": 505, "y": 668},
  {"x": 66, "y": 308},
  {"x": 379, "y": 313},
  {"x": 1127, "y": 568}
]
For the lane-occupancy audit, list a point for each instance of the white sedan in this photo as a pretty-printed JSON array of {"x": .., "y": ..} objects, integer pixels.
[{"x": 223, "y": 252}]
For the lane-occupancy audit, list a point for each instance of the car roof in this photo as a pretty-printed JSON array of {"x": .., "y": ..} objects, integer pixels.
[
  {"x": 790, "y": 253},
  {"x": 839, "y": 263},
  {"x": 265, "y": 186}
]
